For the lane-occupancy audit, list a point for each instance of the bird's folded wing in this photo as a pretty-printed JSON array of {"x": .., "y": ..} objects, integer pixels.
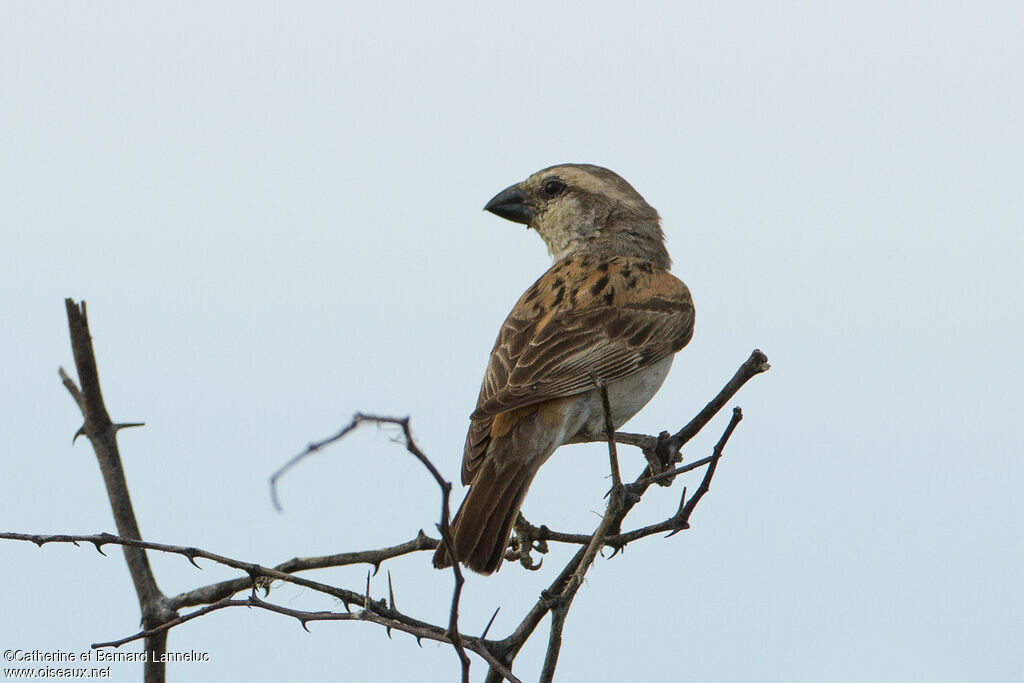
[
  {"x": 570, "y": 327},
  {"x": 621, "y": 319}
]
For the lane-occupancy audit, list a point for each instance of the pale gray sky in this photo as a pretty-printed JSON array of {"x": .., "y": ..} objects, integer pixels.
[{"x": 274, "y": 213}]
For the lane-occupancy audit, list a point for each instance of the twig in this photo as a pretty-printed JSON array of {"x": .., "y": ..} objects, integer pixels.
[
  {"x": 509, "y": 648},
  {"x": 256, "y": 573},
  {"x": 705, "y": 483},
  {"x": 213, "y": 592},
  {"x": 558, "y": 614},
  {"x": 696, "y": 464},
  {"x": 755, "y": 365},
  {"x": 304, "y": 617},
  {"x": 609, "y": 432},
  {"x": 563, "y": 601},
  {"x": 310, "y": 449},
  {"x": 443, "y": 525}
]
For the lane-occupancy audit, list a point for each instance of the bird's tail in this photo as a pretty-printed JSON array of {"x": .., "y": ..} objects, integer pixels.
[{"x": 482, "y": 525}]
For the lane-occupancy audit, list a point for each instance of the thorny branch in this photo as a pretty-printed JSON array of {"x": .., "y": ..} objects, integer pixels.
[
  {"x": 374, "y": 611},
  {"x": 159, "y": 612},
  {"x": 561, "y": 602},
  {"x": 213, "y": 592},
  {"x": 102, "y": 433}
]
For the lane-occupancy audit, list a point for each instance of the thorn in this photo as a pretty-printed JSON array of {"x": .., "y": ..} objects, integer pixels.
[
  {"x": 683, "y": 527},
  {"x": 376, "y": 567},
  {"x": 80, "y": 432},
  {"x": 38, "y": 541},
  {"x": 76, "y": 544},
  {"x": 366, "y": 598},
  {"x": 682, "y": 524},
  {"x": 488, "y": 627},
  {"x": 306, "y": 628},
  {"x": 118, "y": 426},
  {"x": 682, "y": 501},
  {"x": 391, "y": 595},
  {"x": 190, "y": 553},
  {"x": 99, "y": 547},
  {"x": 419, "y": 641}
]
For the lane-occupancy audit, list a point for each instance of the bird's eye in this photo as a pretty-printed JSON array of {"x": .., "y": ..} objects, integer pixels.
[{"x": 553, "y": 187}]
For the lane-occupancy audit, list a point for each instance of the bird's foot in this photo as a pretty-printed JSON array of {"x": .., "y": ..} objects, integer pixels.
[{"x": 523, "y": 543}]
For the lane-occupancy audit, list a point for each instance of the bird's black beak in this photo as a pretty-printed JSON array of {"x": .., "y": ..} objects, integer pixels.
[{"x": 510, "y": 204}]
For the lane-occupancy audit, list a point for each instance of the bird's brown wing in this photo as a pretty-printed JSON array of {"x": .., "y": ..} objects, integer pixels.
[{"x": 609, "y": 318}]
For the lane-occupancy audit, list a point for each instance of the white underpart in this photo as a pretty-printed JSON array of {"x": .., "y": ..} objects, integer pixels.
[{"x": 626, "y": 396}]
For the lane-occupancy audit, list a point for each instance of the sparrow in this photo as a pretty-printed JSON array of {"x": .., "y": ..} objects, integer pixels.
[{"x": 607, "y": 310}]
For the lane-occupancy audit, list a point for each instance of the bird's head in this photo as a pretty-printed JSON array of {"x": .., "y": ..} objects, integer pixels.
[{"x": 582, "y": 207}]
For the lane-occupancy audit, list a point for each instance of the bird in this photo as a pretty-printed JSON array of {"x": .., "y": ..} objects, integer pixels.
[{"x": 607, "y": 310}]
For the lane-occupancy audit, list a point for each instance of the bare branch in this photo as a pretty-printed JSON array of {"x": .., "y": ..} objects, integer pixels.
[
  {"x": 456, "y": 638},
  {"x": 72, "y": 388},
  {"x": 357, "y": 419},
  {"x": 558, "y": 614},
  {"x": 102, "y": 433},
  {"x": 669, "y": 474},
  {"x": 509, "y": 648},
  {"x": 609, "y": 430},
  {"x": 217, "y": 591},
  {"x": 561, "y": 603},
  {"x": 641, "y": 441},
  {"x": 476, "y": 645},
  {"x": 755, "y": 365},
  {"x": 255, "y": 572},
  {"x": 374, "y": 611},
  {"x": 310, "y": 450},
  {"x": 705, "y": 483}
]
